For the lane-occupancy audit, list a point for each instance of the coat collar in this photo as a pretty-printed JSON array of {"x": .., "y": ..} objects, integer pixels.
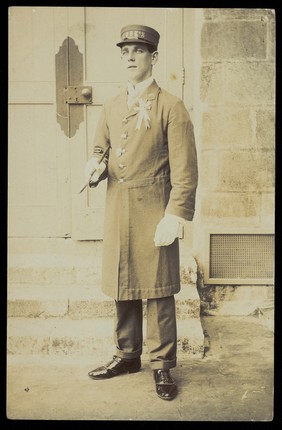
[{"x": 150, "y": 93}]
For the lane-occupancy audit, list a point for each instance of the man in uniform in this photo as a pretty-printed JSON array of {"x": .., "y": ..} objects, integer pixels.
[{"x": 151, "y": 166}]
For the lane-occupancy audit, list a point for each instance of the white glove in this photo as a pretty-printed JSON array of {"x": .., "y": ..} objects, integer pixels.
[
  {"x": 90, "y": 166},
  {"x": 168, "y": 230}
]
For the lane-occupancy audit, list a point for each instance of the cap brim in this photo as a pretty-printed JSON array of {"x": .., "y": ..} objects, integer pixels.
[{"x": 126, "y": 42}]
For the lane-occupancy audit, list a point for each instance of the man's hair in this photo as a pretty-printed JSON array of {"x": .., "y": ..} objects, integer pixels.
[{"x": 152, "y": 48}]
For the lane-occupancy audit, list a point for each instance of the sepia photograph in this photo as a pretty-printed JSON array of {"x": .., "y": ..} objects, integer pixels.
[{"x": 141, "y": 214}]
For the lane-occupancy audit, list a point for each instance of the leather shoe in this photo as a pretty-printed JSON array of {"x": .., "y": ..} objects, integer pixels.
[
  {"x": 165, "y": 386},
  {"x": 117, "y": 366}
]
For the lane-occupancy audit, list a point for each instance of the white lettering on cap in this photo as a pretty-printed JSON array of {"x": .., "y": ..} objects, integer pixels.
[{"x": 133, "y": 34}]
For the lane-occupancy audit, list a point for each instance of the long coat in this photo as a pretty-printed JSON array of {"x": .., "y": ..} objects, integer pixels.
[{"x": 152, "y": 170}]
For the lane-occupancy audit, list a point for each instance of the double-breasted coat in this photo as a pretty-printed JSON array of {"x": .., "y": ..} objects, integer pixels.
[{"x": 152, "y": 170}]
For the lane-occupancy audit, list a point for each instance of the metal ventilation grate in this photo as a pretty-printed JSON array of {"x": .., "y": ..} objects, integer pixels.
[{"x": 241, "y": 256}]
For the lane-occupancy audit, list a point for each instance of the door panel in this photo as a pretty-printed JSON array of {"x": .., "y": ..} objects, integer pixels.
[
  {"x": 104, "y": 73},
  {"x": 38, "y": 171},
  {"x": 31, "y": 44},
  {"x": 39, "y": 161}
]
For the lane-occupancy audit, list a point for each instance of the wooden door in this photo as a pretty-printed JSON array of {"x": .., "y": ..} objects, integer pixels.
[
  {"x": 46, "y": 164},
  {"x": 38, "y": 152},
  {"x": 104, "y": 73}
]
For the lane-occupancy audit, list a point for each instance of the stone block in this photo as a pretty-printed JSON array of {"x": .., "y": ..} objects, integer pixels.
[
  {"x": 55, "y": 336},
  {"x": 224, "y": 127},
  {"x": 91, "y": 308},
  {"x": 265, "y": 129},
  {"x": 237, "y": 82},
  {"x": 34, "y": 308},
  {"x": 41, "y": 275},
  {"x": 51, "y": 269},
  {"x": 249, "y": 82},
  {"x": 209, "y": 169},
  {"x": 238, "y": 14},
  {"x": 37, "y": 247},
  {"x": 87, "y": 275},
  {"x": 236, "y": 300},
  {"x": 212, "y": 85},
  {"x": 229, "y": 205},
  {"x": 234, "y": 40},
  {"x": 37, "y": 301},
  {"x": 246, "y": 171}
]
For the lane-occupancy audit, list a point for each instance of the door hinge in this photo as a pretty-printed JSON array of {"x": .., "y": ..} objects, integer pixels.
[{"x": 183, "y": 75}]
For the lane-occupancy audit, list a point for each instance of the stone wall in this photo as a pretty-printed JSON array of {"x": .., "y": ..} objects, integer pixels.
[
  {"x": 236, "y": 123},
  {"x": 236, "y": 147}
]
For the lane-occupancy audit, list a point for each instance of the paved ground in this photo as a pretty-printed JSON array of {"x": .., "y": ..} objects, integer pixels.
[{"x": 234, "y": 382}]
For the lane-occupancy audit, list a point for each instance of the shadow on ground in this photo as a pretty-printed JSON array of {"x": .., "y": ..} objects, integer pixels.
[{"x": 232, "y": 382}]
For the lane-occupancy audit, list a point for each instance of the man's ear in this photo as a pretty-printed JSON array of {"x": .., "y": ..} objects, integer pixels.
[{"x": 155, "y": 56}]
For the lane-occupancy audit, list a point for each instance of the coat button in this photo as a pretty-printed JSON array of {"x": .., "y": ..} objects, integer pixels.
[
  {"x": 124, "y": 136},
  {"x": 120, "y": 181},
  {"x": 121, "y": 166},
  {"x": 120, "y": 152},
  {"x": 125, "y": 120}
]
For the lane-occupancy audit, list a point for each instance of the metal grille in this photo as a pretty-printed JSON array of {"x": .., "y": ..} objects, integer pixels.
[{"x": 242, "y": 256}]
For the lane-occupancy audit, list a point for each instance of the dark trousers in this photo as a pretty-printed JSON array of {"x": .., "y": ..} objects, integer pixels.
[{"x": 161, "y": 331}]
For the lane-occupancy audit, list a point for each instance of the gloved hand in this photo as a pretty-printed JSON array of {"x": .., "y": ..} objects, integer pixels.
[
  {"x": 92, "y": 164},
  {"x": 168, "y": 230}
]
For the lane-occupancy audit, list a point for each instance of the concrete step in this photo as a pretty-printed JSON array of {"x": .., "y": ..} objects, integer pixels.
[
  {"x": 53, "y": 245},
  {"x": 81, "y": 302},
  {"x": 86, "y": 338},
  {"x": 56, "y": 307},
  {"x": 54, "y": 269},
  {"x": 70, "y": 268},
  {"x": 45, "y": 301}
]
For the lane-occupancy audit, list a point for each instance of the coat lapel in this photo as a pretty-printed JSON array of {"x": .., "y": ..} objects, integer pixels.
[
  {"x": 121, "y": 105},
  {"x": 151, "y": 92}
]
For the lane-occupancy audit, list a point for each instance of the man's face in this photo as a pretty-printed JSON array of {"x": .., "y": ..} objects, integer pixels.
[{"x": 138, "y": 61}]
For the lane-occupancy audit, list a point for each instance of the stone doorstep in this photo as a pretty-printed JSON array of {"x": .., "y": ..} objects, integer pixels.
[
  {"x": 49, "y": 269},
  {"x": 87, "y": 274},
  {"x": 53, "y": 246},
  {"x": 55, "y": 272},
  {"x": 79, "y": 302},
  {"x": 66, "y": 337}
]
